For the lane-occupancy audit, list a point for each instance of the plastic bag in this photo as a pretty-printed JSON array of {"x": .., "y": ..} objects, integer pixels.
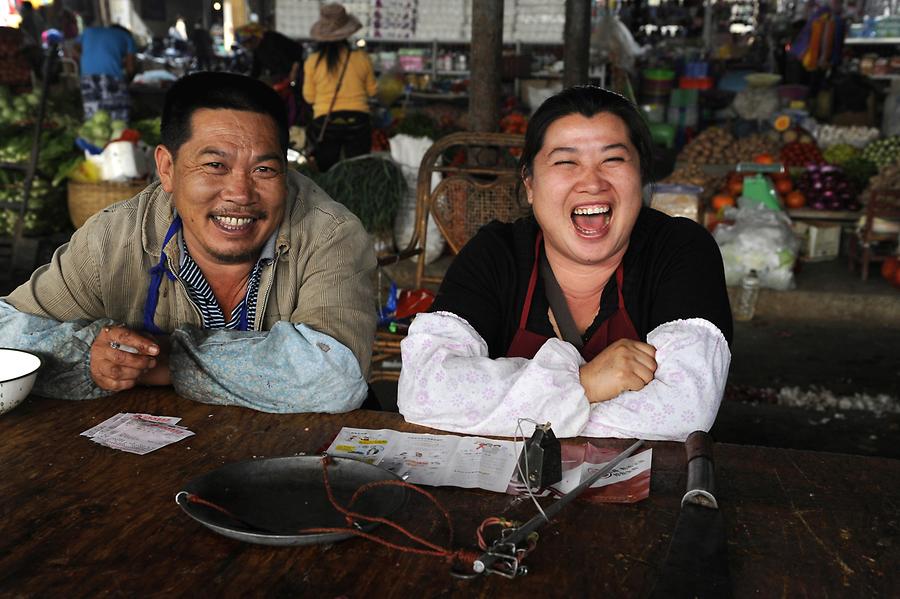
[
  {"x": 611, "y": 38},
  {"x": 762, "y": 240},
  {"x": 408, "y": 151}
]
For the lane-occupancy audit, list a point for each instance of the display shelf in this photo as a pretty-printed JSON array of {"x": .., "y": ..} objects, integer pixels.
[
  {"x": 872, "y": 41},
  {"x": 435, "y": 52},
  {"x": 834, "y": 215},
  {"x": 437, "y": 96}
]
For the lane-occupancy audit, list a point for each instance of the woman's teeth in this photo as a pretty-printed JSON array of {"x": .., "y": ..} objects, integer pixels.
[{"x": 591, "y": 211}]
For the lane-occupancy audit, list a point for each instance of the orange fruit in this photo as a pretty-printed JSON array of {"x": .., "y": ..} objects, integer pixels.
[
  {"x": 721, "y": 200},
  {"x": 734, "y": 187},
  {"x": 764, "y": 158},
  {"x": 783, "y": 185},
  {"x": 795, "y": 199}
]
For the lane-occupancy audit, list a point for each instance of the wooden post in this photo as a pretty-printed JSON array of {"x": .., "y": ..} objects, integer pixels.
[
  {"x": 485, "y": 65},
  {"x": 577, "y": 38}
]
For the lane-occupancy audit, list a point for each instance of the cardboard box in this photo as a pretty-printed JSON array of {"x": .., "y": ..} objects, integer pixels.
[
  {"x": 819, "y": 240},
  {"x": 678, "y": 200}
]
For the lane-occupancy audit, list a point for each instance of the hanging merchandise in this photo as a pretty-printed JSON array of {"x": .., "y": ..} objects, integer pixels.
[{"x": 821, "y": 41}]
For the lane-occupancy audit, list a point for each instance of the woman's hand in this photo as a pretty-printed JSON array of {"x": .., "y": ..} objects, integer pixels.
[{"x": 626, "y": 365}]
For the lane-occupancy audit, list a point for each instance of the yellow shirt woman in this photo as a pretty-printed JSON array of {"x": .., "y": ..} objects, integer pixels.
[{"x": 319, "y": 84}]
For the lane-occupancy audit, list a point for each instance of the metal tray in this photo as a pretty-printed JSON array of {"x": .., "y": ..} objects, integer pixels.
[{"x": 274, "y": 498}]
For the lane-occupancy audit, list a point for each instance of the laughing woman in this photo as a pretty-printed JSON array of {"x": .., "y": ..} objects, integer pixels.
[{"x": 603, "y": 317}]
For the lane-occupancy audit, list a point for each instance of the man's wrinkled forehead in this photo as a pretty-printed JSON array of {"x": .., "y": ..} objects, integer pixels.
[{"x": 220, "y": 115}]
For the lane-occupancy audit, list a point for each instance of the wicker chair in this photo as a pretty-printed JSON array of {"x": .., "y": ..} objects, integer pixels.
[
  {"x": 862, "y": 247},
  {"x": 479, "y": 185}
]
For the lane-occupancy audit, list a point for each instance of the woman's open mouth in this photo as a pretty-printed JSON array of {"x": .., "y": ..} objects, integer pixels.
[{"x": 592, "y": 221}]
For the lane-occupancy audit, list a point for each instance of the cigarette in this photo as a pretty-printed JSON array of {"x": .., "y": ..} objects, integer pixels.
[{"x": 123, "y": 347}]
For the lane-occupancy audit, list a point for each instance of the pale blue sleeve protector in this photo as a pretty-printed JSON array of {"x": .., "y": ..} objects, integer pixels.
[
  {"x": 64, "y": 349},
  {"x": 291, "y": 368}
]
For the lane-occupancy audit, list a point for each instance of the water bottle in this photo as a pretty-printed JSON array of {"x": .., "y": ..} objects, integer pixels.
[{"x": 746, "y": 303}]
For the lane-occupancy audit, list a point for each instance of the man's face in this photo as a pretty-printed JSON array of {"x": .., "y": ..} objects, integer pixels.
[{"x": 228, "y": 183}]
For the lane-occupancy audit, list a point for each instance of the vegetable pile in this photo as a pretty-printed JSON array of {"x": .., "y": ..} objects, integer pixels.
[
  {"x": 826, "y": 187},
  {"x": 371, "y": 187},
  {"x": 101, "y": 128},
  {"x": 47, "y": 210},
  {"x": 883, "y": 151},
  {"x": 799, "y": 153},
  {"x": 857, "y": 137},
  {"x": 19, "y": 108},
  {"x": 715, "y": 145},
  {"x": 840, "y": 154}
]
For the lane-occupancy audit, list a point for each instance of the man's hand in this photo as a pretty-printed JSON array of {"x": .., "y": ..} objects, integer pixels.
[
  {"x": 160, "y": 374},
  {"x": 626, "y": 365},
  {"x": 113, "y": 366}
]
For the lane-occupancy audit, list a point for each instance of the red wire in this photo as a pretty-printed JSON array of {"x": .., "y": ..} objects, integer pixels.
[{"x": 433, "y": 549}]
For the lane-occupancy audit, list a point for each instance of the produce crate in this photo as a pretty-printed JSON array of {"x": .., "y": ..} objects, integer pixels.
[
  {"x": 86, "y": 199},
  {"x": 819, "y": 240}
]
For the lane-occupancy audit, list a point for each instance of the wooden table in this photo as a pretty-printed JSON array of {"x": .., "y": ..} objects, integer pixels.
[{"x": 79, "y": 519}]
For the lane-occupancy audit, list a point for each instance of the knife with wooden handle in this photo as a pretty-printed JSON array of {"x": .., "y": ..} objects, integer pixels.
[{"x": 697, "y": 562}]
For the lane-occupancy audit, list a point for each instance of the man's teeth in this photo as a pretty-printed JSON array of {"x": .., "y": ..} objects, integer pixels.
[
  {"x": 232, "y": 221},
  {"x": 591, "y": 210}
]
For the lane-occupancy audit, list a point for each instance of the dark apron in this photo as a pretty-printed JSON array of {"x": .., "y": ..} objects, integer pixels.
[{"x": 526, "y": 344}]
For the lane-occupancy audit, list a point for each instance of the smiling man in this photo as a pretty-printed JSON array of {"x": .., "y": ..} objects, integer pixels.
[
  {"x": 233, "y": 278},
  {"x": 601, "y": 316}
]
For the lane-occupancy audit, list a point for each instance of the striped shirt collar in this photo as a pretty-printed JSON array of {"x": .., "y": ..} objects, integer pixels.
[{"x": 201, "y": 293}]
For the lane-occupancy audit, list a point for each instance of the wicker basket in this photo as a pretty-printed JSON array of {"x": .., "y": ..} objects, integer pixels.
[{"x": 86, "y": 199}]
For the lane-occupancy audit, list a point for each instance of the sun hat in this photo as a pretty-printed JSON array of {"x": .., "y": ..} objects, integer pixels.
[
  {"x": 334, "y": 24},
  {"x": 248, "y": 32}
]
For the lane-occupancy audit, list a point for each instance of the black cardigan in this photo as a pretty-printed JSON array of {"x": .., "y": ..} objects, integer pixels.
[{"x": 673, "y": 270}]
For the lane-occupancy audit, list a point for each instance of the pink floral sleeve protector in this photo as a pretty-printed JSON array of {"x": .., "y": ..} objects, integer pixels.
[{"x": 448, "y": 382}]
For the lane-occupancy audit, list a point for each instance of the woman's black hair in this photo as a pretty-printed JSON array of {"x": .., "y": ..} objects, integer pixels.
[
  {"x": 331, "y": 52},
  {"x": 218, "y": 90},
  {"x": 587, "y": 100}
]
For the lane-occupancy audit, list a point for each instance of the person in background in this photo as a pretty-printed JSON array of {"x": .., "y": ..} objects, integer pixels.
[
  {"x": 107, "y": 65},
  {"x": 32, "y": 25},
  {"x": 596, "y": 314},
  {"x": 277, "y": 60},
  {"x": 65, "y": 21},
  {"x": 62, "y": 19},
  {"x": 233, "y": 278},
  {"x": 202, "y": 42},
  {"x": 338, "y": 82}
]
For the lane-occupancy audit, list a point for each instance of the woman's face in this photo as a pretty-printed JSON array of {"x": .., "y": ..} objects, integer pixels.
[{"x": 586, "y": 189}]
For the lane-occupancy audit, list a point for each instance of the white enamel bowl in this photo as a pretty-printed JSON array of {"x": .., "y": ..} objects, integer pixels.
[{"x": 18, "y": 369}]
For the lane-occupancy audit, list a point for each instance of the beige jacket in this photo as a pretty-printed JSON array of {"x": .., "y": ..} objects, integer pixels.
[{"x": 321, "y": 275}]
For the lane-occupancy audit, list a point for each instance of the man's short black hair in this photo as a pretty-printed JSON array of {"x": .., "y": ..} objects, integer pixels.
[{"x": 218, "y": 90}]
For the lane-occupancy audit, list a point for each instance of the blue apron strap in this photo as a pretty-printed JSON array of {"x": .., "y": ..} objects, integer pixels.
[
  {"x": 243, "y": 324},
  {"x": 156, "y": 275}
]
